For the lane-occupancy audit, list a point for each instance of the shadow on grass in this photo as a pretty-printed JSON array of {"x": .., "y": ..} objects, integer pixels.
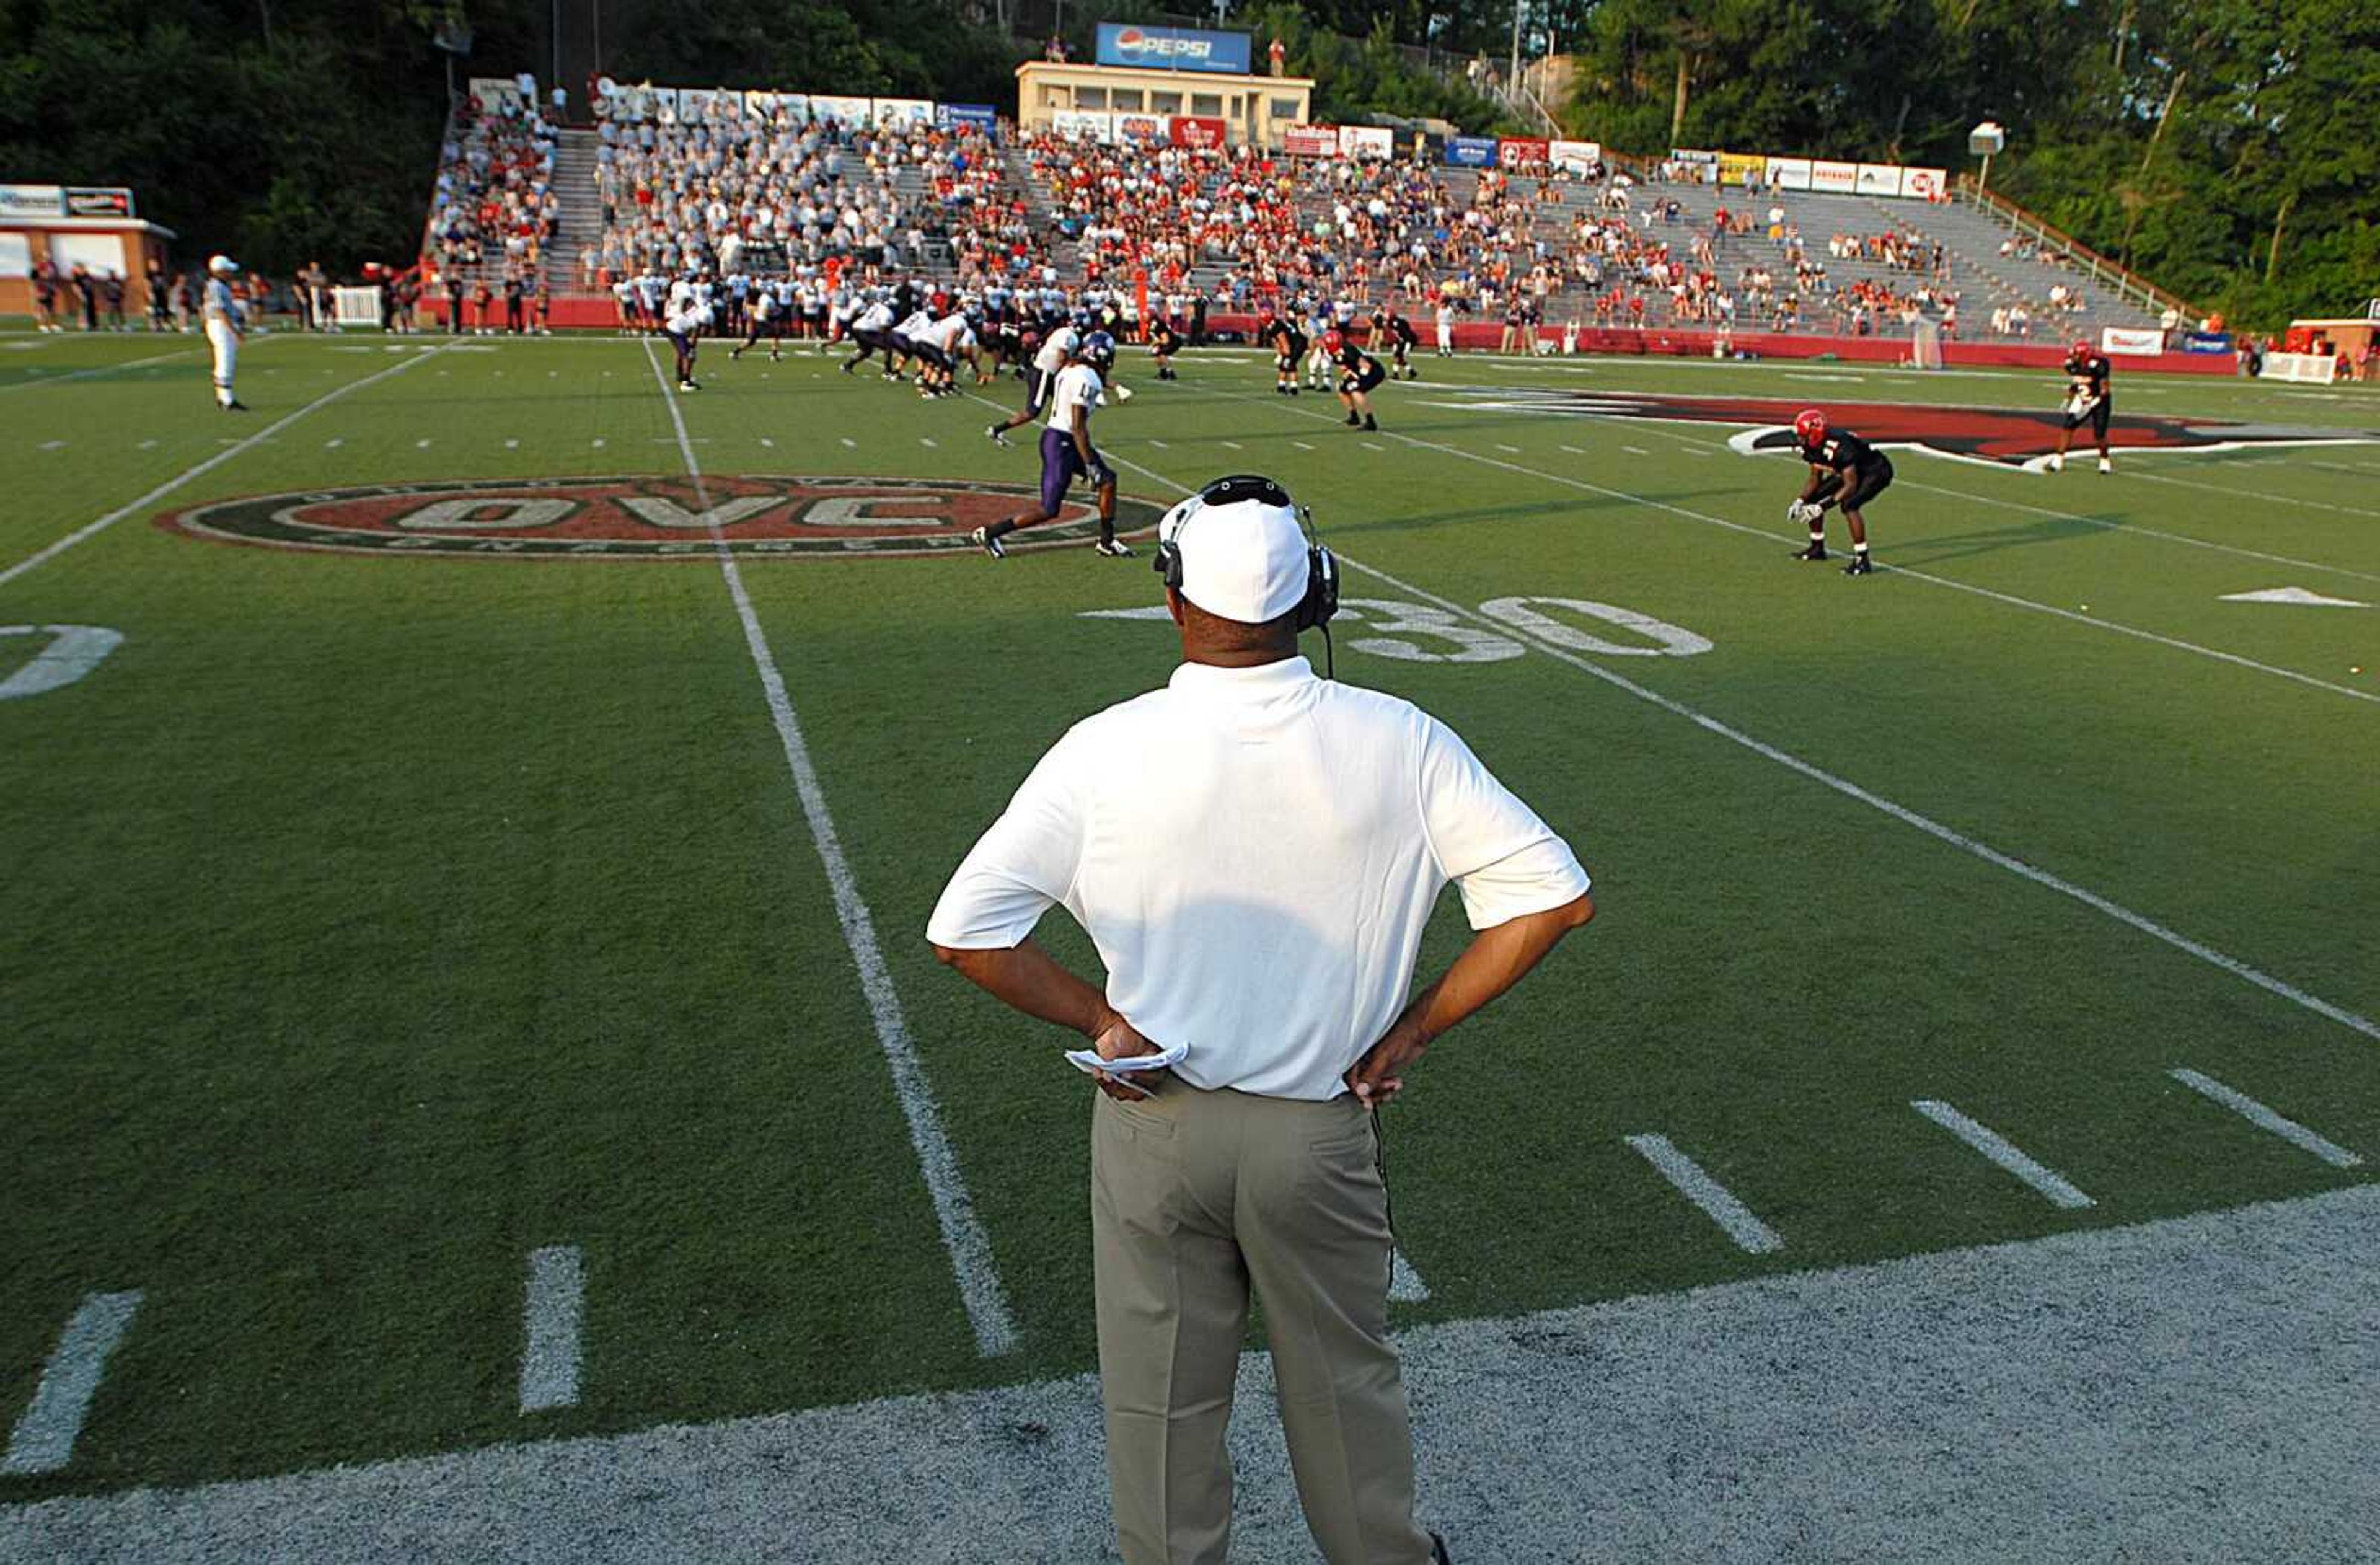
[{"x": 1960, "y": 546}]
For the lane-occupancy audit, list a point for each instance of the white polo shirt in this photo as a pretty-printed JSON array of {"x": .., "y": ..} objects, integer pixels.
[{"x": 1254, "y": 853}]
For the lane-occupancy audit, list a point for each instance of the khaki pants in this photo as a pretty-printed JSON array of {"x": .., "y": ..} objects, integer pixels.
[{"x": 1194, "y": 1196}]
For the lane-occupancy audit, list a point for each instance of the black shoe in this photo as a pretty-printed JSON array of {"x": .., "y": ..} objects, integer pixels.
[
  {"x": 1370, "y": 424},
  {"x": 846, "y": 369},
  {"x": 235, "y": 406},
  {"x": 1859, "y": 567},
  {"x": 734, "y": 354},
  {"x": 1353, "y": 420},
  {"x": 1815, "y": 552}
]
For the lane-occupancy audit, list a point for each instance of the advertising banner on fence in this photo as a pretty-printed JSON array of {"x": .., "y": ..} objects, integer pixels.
[
  {"x": 839, "y": 110},
  {"x": 1733, "y": 166},
  {"x": 112, "y": 201},
  {"x": 2206, "y": 342},
  {"x": 699, "y": 104},
  {"x": 1172, "y": 48},
  {"x": 1082, "y": 125},
  {"x": 1141, "y": 128},
  {"x": 1310, "y": 140},
  {"x": 1879, "y": 179},
  {"x": 903, "y": 112},
  {"x": 32, "y": 201},
  {"x": 1470, "y": 151},
  {"x": 1925, "y": 184},
  {"x": 1836, "y": 177},
  {"x": 1366, "y": 141},
  {"x": 1576, "y": 156},
  {"x": 2131, "y": 339},
  {"x": 1789, "y": 174},
  {"x": 1689, "y": 159},
  {"x": 1202, "y": 131},
  {"x": 967, "y": 117},
  {"x": 1514, "y": 151}
]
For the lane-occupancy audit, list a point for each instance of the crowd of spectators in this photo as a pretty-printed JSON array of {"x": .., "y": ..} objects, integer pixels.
[
  {"x": 495, "y": 204},
  {"x": 730, "y": 190}
]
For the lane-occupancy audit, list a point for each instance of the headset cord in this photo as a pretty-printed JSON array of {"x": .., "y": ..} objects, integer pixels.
[{"x": 1330, "y": 671}]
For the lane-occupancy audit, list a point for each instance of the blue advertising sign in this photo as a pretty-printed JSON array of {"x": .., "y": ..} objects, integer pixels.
[
  {"x": 1470, "y": 151},
  {"x": 974, "y": 117},
  {"x": 2206, "y": 342},
  {"x": 1172, "y": 48}
]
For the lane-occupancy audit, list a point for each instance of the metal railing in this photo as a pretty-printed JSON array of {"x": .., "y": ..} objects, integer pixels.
[{"x": 2128, "y": 287}]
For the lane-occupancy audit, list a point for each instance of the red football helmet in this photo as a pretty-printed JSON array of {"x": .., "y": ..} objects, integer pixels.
[
  {"x": 1333, "y": 342},
  {"x": 1809, "y": 426},
  {"x": 2081, "y": 348}
]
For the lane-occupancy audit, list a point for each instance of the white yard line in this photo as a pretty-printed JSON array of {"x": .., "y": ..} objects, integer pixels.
[
  {"x": 1716, "y": 1200},
  {"x": 963, "y": 1235},
  {"x": 1406, "y": 1285},
  {"x": 2257, "y": 1114},
  {"x": 92, "y": 529},
  {"x": 2144, "y": 532},
  {"x": 1851, "y": 790},
  {"x": 2250, "y": 496},
  {"x": 553, "y": 1315},
  {"x": 44, "y": 1438},
  {"x": 96, "y": 369},
  {"x": 2052, "y": 1185},
  {"x": 2091, "y": 621}
]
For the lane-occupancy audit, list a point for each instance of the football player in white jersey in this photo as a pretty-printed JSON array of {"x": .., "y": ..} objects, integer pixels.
[
  {"x": 760, "y": 318},
  {"x": 1062, "y": 342},
  {"x": 872, "y": 329},
  {"x": 685, "y": 326},
  {"x": 224, "y": 321},
  {"x": 1066, "y": 453}
]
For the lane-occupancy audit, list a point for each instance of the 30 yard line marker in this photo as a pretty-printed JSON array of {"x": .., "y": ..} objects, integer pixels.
[
  {"x": 553, "y": 1313},
  {"x": 2256, "y": 1114},
  {"x": 1716, "y": 1200},
  {"x": 1999, "y": 1149},
  {"x": 962, "y": 1236},
  {"x": 92, "y": 529},
  {"x": 43, "y": 1440},
  {"x": 1851, "y": 790}
]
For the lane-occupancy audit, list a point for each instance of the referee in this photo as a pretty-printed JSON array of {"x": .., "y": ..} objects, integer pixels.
[{"x": 1254, "y": 852}]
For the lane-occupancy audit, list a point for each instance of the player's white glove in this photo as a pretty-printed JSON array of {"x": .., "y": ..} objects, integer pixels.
[
  {"x": 1802, "y": 511},
  {"x": 1100, "y": 475}
]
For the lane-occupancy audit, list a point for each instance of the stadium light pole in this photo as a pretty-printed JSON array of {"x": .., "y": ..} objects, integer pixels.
[
  {"x": 1513, "y": 84},
  {"x": 1983, "y": 141}
]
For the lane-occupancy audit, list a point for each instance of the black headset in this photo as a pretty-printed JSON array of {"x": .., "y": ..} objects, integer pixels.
[{"x": 1321, "y": 600}]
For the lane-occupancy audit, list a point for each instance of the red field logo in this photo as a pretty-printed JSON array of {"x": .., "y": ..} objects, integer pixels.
[
  {"x": 2005, "y": 436},
  {"x": 645, "y": 518}
]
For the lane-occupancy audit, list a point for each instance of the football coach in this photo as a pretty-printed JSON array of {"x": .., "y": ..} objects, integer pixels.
[{"x": 1254, "y": 852}]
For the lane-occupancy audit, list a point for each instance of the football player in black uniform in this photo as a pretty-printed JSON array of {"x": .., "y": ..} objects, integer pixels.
[
  {"x": 1844, "y": 470},
  {"x": 1359, "y": 373},
  {"x": 1289, "y": 345},
  {"x": 1164, "y": 342},
  {"x": 2088, "y": 400},
  {"x": 1402, "y": 338}
]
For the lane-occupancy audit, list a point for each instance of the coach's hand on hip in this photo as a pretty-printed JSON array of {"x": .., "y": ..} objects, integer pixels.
[{"x": 1492, "y": 962}]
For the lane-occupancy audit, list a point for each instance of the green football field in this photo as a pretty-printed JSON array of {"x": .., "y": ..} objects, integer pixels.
[{"x": 403, "y": 882}]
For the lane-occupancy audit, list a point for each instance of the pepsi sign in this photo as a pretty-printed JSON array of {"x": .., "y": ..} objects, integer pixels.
[{"x": 1174, "y": 48}]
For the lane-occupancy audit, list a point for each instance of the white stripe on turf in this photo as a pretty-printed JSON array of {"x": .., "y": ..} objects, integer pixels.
[
  {"x": 963, "y": 1235},
  {"x": 1406, "y": 1285},
  {"x": 101, "y": 369},
  {"x": 2249, "y": 496},
  {"x": 92, "y": 529},
  {"x": 551, "y": 1314},
  {"x": 43, "y": 1440},
  {"x": 2256, "y": 1114},
  {"x": 2052, "y": 1185},
  {"x": 2093, "y": 621},
  {"x": 2146, "y": 532},
  {"x": 1716, "y": 1200},
  {"x": 1851, "y": 790}
]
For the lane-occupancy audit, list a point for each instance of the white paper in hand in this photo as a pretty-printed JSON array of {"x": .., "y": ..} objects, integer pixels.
[{"x": 1088, "y": 1060}]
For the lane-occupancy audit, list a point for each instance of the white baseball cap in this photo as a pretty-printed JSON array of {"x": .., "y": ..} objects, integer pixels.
[
  {"x": 222, "y": 264},
  {"x": 1242, "y": 552}
]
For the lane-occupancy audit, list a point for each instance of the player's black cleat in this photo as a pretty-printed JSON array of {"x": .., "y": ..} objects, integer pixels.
[
  {"x": 235, "y": 406},
  {"x": 1815, "y": 552},
  {"x": 1353, "y": 420},
  {"x": 1371, "y": 424},
  {"x": 1859, "y": 567},
  {"x": 987, "y": 543}
]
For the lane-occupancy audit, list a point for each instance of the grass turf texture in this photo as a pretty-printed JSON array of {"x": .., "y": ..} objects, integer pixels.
[{"x": 376, "y": 921}]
